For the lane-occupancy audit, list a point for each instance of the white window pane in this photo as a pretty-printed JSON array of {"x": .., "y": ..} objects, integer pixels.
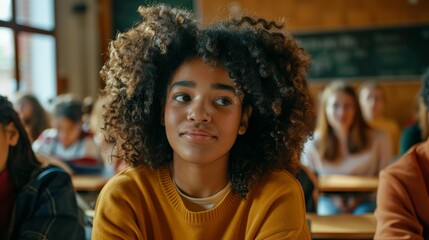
[
  {"x": 36, "y": 13},
  {"x": 38, "y": 65},
  {"x": 5, "y": 10},
  {"x": 7, "y": 62}
]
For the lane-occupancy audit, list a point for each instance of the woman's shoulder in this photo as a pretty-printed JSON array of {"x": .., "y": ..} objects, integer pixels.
[
  {"x": 312, "y": 141},
  {"x": 412, "y": 162},
  {"x": 412, "y": 129},
  {"x": 45, "y": 182},
  {"x": 47, "y": 136},
  {"x": 389, "y": 122},
  {"x": 49, "y": 177},
  {"x": 279, "y": 187},
  {"x": 408, "y": 171},
  {"x": 280, "y": 182},
  {"x": 377, "y": 134},
  {"x": 131, "y": 177}
]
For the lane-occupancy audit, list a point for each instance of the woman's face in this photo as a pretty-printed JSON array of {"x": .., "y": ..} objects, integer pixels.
[
  {"x": 340, "y": 111},
  {"x": 203, "y": 113},
  {"x": 372, "y": 102},
  {"x": 68, "y": 132},
  {"x": 8, "y": 137},
  {"x": 25, "y": 110}
]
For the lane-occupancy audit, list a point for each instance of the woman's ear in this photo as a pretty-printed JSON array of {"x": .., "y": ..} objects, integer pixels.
[
  {"x": 244, "y": 123},
  {"x": 12, "y": 134}
]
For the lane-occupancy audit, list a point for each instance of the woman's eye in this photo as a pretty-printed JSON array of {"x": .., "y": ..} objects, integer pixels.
[
  {"x": 223, "y": 101},
  {"x": 182, "y": 98}
]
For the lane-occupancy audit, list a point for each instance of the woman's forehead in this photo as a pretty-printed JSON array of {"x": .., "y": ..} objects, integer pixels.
[
  {"x": 340, "y": 96},
  {"x": 196, "y": 70}
]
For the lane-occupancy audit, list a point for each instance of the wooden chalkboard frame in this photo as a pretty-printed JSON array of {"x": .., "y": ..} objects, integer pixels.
[{"x": 397, "y": 52}]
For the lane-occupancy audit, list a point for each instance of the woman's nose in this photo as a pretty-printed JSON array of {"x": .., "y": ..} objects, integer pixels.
[{"x": 199, "y": 112}]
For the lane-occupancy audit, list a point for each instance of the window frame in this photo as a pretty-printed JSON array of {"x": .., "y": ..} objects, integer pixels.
[{"x": 18, "y": 28}]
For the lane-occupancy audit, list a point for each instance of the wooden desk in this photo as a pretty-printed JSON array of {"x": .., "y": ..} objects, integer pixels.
[
  {"x": 89, "y": 182},
  {"x": 343, "y": 226},
  {"x": 344, "y": 183}
]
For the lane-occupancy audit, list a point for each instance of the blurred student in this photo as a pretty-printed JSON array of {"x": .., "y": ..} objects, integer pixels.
[
  {"x": 109, "y": 154},
  {"x": 68, "y": 141},
  {"x": 212, "y": 121},
  {"x": 344, "y": 144},
  {"x": 32, "y": 114},
  {"x": 373, "y": 102},
  {"x": 416, "y": 132},
  {"x": 35, "y": 202},
  {"x": 88, "y": 104},
  {"x": 403, "y": 191}
]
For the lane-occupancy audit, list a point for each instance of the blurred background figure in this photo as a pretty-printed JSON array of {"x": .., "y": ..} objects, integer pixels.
[
  {"x": 417, "y": 131},
  {"x": 36, "y": 201},
  {"x": 108, "y": 153},
  {"x": 32, "y": 114},
  {"x": 87, "y": 107},
  {"x": 68, "y": 141},
  {"x": 309, "y": 184},
  {"x": 373, "y": 101},
  {"x": 402, "y": 195},
  {"x": 344, "y": 144}
]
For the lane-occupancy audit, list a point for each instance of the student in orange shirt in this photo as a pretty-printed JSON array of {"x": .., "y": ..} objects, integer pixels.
[
  {"x": 402, "y": 195},
  {"x": 212, "y": 121}
]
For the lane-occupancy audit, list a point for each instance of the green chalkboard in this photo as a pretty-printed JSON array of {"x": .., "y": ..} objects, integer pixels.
[
  {"x": 125, "y": 13},
  {"x": 389, "y": 52}
]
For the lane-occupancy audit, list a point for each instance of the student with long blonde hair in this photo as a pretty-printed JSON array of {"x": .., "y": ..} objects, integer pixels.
[{"x": 344, "y": 144}]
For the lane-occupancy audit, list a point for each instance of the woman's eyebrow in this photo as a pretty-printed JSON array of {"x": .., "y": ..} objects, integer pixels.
[
  {"x": 191, "y": 84},
  {"x": 183, "y": 83},
  {"x": 222, "y": 86}
]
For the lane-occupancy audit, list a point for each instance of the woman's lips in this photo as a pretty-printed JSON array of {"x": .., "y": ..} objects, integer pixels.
[{"x": 198, "y": 136}]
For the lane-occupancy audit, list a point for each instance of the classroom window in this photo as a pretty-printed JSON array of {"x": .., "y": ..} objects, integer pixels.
[
  {"x": 28, "y": 48},
  {"x": 5, "y": 10},
  {"x": 7, "y": 60},
  {"x": 35, "y": 13}
]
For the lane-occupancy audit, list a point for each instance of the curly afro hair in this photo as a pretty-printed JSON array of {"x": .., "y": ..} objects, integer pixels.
[{"x": 266, "y": 64}]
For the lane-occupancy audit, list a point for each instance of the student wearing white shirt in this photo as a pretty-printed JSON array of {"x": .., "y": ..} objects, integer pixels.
[{"x": 344, "y": 144}]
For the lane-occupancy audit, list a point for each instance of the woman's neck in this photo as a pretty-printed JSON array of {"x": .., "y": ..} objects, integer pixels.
[
  {"x": 199, "y": 180},
  {"x": 342, "y": 135}
]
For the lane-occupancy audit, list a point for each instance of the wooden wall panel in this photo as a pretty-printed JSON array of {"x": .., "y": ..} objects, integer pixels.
[
  {"x": 315, "y": 15},
  {"x": 324, "y": 15}
]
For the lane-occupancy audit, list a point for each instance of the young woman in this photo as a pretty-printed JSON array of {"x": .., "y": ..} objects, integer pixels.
[
  {"x": 212, "y": 121},
  {"x": 33, "y": 115},
  {"x": 36, "y": 202},
  {"x": 68, "y": 142},
  {"x": 373, "y": 102},
  {"x": 344, "y": 144}
]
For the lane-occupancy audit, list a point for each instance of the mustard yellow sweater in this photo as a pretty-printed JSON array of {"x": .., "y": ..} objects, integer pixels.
[{"x": 143, "y": 204}]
